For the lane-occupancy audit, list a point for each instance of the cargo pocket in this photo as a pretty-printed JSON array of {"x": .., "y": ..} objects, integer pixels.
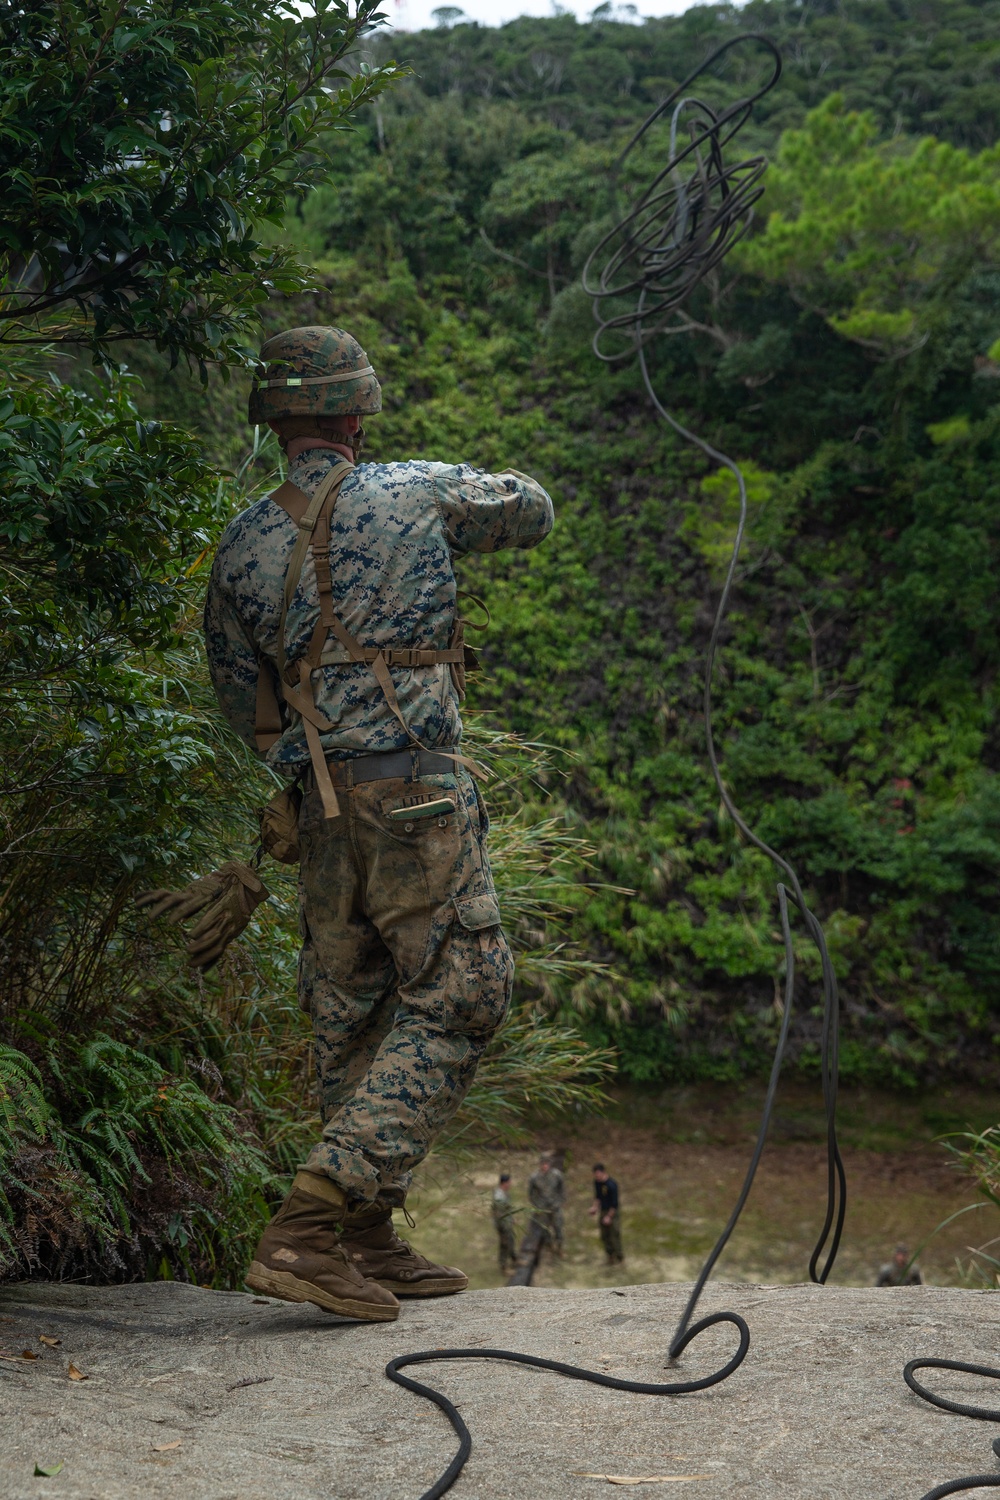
[
  {"x": 481, "y": 972},
  {"x": 478, "y": 913}
]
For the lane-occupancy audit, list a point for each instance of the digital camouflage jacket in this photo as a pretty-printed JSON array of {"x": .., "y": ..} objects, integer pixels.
[
  {"x": 547, "y": 1190},
  {"x": 394, "y": 532},
  {"x": 501, "y": 1208}
]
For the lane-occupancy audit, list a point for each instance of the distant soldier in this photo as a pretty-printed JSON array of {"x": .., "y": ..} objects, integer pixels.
[
  {"x": 503, "y": 1218},
  {"x": 547, "y": 1194},
  {"x": 605, "y": 1206},
  {"x": 899, "y": 1271}
]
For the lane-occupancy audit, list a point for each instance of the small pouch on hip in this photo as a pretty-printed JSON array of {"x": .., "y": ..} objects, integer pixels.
[{"x": 279, "y": 825}]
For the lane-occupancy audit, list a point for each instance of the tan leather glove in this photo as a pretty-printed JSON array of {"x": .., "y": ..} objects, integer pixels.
[{"x": 227, "y": 899}]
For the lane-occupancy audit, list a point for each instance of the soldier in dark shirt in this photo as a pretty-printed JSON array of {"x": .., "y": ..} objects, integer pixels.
[{"x": 605, "y": 1207}]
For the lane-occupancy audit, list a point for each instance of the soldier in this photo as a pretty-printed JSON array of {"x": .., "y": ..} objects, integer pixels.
[
  {"x": 547, "y": 1194},
  {"x": 899, "y": 1271},
  {"x": 335, "y": 648},
  {"x": 605, "y": 1206},
  {"x": 503, "y": 1218}
]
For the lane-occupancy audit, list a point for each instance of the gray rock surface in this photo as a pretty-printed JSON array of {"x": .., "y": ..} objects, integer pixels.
[{"x": 206, "y": 1395}]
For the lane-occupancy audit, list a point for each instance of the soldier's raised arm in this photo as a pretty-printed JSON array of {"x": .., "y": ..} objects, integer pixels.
[{"x": 486, "y": 512}]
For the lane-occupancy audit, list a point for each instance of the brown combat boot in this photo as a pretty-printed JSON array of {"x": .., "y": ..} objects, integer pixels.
[
  {"x": 301, "y": 1257},
  {"x": 376, "y": 1250}
]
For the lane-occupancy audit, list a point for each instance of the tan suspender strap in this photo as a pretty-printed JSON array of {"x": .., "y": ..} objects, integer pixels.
[
  {"x": 267, "y": 720},
  {"x": 291, "y": 499},
  {"x": 395, "y": 656},
  {"x": 314, "y": 530},
  {"x": 324, "y": 587},
  {"x": 302, "y": 697},
  {"x": 328, "y": 486},
  {"x": 321, "y": 770},
  {"x": 301, "y": 701},
  {"x": 388, "y": 687}
]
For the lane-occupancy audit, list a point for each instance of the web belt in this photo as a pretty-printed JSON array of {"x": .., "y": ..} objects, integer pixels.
[{"x": 388, "y": 765}]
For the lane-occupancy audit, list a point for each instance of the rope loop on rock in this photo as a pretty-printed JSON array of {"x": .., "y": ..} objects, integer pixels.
[
  {"x": 574, "y": 1372},
  {"x": 961, "y": 1409}
]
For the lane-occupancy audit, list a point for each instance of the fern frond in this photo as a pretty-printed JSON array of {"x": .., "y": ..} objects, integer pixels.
[{"x": 23, "y": 1107}]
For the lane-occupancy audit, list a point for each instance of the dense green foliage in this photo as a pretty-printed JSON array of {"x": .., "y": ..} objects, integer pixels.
[
  {"x": 918, "y": 65},
  {"x": 847, "y": 355},
  {"x": 141, "y": 149}
]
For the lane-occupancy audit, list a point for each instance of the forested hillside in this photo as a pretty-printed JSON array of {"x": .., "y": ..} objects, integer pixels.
[{"x": 848, "y": 355}]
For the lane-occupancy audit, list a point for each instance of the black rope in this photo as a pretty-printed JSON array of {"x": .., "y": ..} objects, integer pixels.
[
  {"x": 982, "y": 1413},
  {"x": 595, "y": 1377},
  {"x": 693, "y": 211}
]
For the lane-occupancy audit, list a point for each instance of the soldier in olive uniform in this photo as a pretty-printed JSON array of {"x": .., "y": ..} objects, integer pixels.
[
  {"x": 547, "y": 1195},
  {"x": 503, "y": 1218},
  {"x": 900, "y": 1271},
  {"x": 335, "y": 649}
]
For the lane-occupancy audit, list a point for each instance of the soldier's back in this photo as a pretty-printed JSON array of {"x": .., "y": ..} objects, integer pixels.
[
  {"x": 393, "y": 532},
  {"x": 390, "y": 562}
]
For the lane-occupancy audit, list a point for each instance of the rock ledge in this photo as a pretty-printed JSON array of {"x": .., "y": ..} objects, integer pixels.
[{"x": 223, "y": 1396}]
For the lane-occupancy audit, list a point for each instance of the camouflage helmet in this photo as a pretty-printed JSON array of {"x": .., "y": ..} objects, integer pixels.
[{"x": 313, "y": 372}]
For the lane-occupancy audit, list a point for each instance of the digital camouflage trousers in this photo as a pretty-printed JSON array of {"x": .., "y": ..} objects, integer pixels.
[
  {"x": 404, "y": 970},
  {"x": 507, "y": 1248},
  {"x": 550, "y": 1221}
]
